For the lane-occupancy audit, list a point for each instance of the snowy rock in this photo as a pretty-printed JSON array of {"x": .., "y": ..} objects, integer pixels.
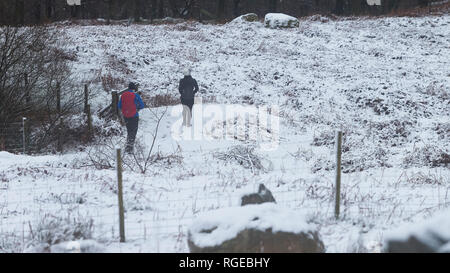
[
  {"x": 280, "y": 20},
  {"x": 265, "y": 228},
  {"x": 374, "y": 2},
  {"x": 430, "y": 236},
  {"x": 262, "y": 196},
  {"x": 250, "y": 17}
]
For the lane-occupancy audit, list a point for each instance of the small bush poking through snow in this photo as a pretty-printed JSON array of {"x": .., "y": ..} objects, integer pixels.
[
  {"x": 429, "y": 155},
  {"x": 53, "y": 229},
  {"x": 10, "y": 243},
  {"x": 246, "y": 157}
]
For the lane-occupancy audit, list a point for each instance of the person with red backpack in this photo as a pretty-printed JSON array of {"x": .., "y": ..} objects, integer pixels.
[{"x": 130, "y": 103}]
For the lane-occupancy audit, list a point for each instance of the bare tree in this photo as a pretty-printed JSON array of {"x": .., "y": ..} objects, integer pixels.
[
  {"x": 35, "y": 71},
  {"x": 220, "y": 9}
]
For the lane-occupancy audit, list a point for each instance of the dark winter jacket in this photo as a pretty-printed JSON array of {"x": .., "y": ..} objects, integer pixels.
[{"x": 188, "y": 87}]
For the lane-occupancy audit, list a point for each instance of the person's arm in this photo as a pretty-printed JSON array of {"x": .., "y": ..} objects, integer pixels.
[
  {"x": 138, "y": 101},
  {"x": 120, "y": 103},
  {"x": 195, "y": 86},
  {"x": 180, "y": 89}
]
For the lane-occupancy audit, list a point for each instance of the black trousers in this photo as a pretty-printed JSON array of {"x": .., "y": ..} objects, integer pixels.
[
  {"x": 188, "y": 102},
  {"x": 132, "y": 128}
]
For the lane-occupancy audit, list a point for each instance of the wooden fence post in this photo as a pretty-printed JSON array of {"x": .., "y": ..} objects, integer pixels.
[
  {"x": 338, "y": 173},
  {"x": 60, "y": 135},
  {"x": 89, "y": 121},
  {"x": 120, "y": 196},
  {"x": 58, "y": 110},
  {"x": 24, "y": 132},
  {"x": 27, "y": 92},
  {"x": 58, "y": 98},
  {"x": 115, "y": 101},
  {"x": 86, "y": 98}
]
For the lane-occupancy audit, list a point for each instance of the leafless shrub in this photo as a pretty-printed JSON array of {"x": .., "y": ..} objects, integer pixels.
[
  {"x": 425, "y": 179},
  {"x": 65, "y": 198},
  {"x": 317, "y": 191},
  {"x": 354, "y": 161},
  {"x": 109, "y": 82},
  {"x": 163, "y": 100},
  {"x": 53, "y": 229},
  {"x": 392, "y": 132},
  {"x": 442, "y": 130},
  {"x": 323, "y": 163},
  {"x": 199, "y": 36},
  {"x": 143, "y": 158},
  {"x": 209, "y": 99},
  {"x": 246, "y": 157},
  {"x": 35, "y": 68},
  {"x": 326, "y": 138},
  {"x": 192, "y": 56},
  {"x": 439, "y": 91},
  {"x": 103, "y": 155},
  {"x": 429, "y": 155},
  {"x": 303, "y": 154},
  {"x": 262, "y": 47},
  {"x": 117, "y": 65},
  {"x": 10, "y": 243}
]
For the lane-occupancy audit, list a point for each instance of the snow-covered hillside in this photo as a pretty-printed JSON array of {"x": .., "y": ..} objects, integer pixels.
[{"x": 384, "y": 82}]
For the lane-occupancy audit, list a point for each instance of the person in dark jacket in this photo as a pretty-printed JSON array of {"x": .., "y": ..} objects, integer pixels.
[
  {"x": 188, "y": 88},
  {"x": 130, "y": 103}
]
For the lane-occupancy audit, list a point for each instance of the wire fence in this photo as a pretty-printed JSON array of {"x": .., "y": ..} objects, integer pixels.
[
  {"x": 15, "y": 137},
  {"x": 49, "y": 204},
  {"x": 11, "y": 137}
]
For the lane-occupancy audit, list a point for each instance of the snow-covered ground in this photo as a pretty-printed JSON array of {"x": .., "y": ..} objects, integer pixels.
[{"x": 384, "y": 82}]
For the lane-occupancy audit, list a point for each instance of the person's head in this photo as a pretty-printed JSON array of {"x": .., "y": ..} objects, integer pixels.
[
  {"x": 187, "y": 72},
  {"x": 132, "y": 86}
]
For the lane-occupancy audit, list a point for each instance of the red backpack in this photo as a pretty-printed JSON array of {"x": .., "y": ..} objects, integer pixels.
[{"x": 128, "y": 105}]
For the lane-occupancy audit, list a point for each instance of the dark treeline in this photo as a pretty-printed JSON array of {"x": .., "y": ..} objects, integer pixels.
[{"x": 19, "y": 12}]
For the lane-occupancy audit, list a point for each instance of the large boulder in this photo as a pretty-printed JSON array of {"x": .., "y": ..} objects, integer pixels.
[
  {"x": 280, "y": 20},
  {"x": 262, "y": 196},
  {"x": 264, "y": 228},
  {"x": 430, "y": 236}
]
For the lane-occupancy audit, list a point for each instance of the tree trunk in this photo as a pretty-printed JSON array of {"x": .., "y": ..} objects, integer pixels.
[
  {"x": 339, "y": 9},
  {"x": 173, "y": 8},
  {"x": 273, "y": 5},
  {"x": 109, "y": 12},
  {"x": 154, "y": 10},
  {"x": 161, "y": 9},
  {"x": 220, "y": 9},
  {"x": 19, "y": 12},
  {"x": 136, "y": 10},
  {"x": 236, "y": 8}
]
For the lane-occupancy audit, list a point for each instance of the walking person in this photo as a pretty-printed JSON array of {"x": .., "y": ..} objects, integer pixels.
[
  {"x": 188, "y": 88},
  {"x": 130, "y": 103}
]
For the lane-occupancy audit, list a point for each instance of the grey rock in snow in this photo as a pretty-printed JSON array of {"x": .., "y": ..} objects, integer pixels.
[
  {"x": 263, "y": 195},
  {"x": 429, "y": 236},
  {"x": 249, "y": 17}
]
